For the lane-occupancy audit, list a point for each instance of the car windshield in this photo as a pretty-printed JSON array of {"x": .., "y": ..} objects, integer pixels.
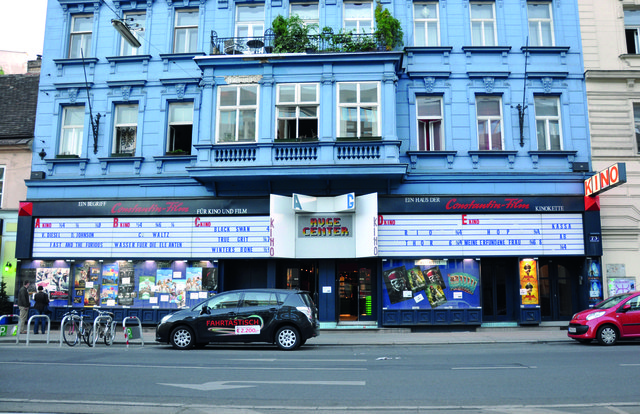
[{"x": 612, "y": 301}]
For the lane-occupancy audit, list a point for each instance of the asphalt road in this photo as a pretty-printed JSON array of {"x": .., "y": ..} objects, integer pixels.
[{"x": 526, "y": 378}]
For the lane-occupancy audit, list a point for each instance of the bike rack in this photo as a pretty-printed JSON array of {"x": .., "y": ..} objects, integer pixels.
[
  {"x": 96, "y": 322},
  {"x": 15, "y": 327},
  {"x": 126, "y": 334},
  {"x": 38, "y": 317}
]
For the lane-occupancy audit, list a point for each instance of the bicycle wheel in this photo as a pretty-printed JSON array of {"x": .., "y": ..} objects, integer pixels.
[
  {"x": 70, "y": 332},
  {"x": 87, "y": 333},
  {"x": 109, "y": 334}
]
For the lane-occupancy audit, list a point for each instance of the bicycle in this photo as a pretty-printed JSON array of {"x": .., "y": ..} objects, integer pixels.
[
  {"x": 75, "y": 328},
  {"x": 106, "y": 328}
]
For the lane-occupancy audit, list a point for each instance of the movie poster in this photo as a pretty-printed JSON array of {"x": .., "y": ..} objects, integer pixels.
[
  {"x": 126, "y": 284},
  {"x": 435, "y": 287},
  {"x": 397, "y": 284},
  {"x": 146, "y": 287},
  {"x": 194, "y": 278},
  {"x": 529, "y": 282},
  {"x": 54, "y": 281},
  {"x": 210, "y": 279},
  {"x": 109, "y": 295},
  {"x": 92, "y": 296}
]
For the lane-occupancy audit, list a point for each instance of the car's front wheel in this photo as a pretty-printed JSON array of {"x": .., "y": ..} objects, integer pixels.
[
  {"x": 287, "y": 338},
  {"x": 182, "y": 338},
  {"x": 607, "y": 335}
]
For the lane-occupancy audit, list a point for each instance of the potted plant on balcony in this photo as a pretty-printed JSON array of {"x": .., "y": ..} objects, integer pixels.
[
  {"x": 291, "y": 35},
  {"x": 388, "y": 29}
]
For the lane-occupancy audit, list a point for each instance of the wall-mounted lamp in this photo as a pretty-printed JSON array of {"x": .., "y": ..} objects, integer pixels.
[
  {"x": 7, "y": 266},
  {"x": 42, "y": 152},
  {"x": 125, "y": 31}
]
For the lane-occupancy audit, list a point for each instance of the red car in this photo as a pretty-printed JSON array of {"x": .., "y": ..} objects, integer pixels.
[{"x": 615, "y": 318}]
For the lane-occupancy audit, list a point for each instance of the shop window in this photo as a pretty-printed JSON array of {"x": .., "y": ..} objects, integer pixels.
[
  {"x": 548, "y": 128},
  {"x": 80, "y": 36},
  {"x": 180, "y": 127},
  {"x": 297, "y": 111},
  {"x": 489, "y": 117},
  {"x": 430, "y": 132},
  {"x": 358, "y": 110},
  {"x": 426, "y": 24},
  {"x": 483, "y": 23},
  {"x": 237, "y": 113}
]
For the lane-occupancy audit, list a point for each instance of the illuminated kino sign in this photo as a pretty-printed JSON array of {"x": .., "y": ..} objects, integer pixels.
[
  {"x": 151, "y": 237},
  {"x": 606, "y": 179}
]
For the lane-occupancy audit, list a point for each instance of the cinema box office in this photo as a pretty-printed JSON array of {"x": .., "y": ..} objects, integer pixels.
[{"x": 369, "y": 259}]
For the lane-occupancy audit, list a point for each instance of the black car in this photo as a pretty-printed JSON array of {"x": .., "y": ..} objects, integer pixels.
[{"x": 284, "y": 317}]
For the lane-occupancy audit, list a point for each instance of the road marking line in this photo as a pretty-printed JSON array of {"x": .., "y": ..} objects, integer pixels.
[{"x": 183, "y": 367}]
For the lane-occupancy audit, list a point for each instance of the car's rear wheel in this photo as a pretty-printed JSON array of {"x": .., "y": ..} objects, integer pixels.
[
  {"x": 182, "y": 338},
  {"x": 287, "y": 338},
  {"x": 607, "y": 335}
]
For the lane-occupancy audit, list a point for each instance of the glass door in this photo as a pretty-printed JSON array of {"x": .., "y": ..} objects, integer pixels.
[
  {"x": 499, "y": 290},
  {"x": 558, "y": 292},
  {"x": 356, "y": 296}
]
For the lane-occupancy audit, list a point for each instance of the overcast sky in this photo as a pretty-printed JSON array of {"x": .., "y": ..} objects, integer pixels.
[{"x": 22, "y": 26}]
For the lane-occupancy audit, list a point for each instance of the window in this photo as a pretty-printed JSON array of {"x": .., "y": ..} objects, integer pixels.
[
  {"x": 297, "y": 111},
  {"x": 631, "y": 29},
  {"x": 425, "y": 23},
  {"x": 237, "y": 113},
  {"x": 125, "y": 129},
  {"x": 80, "y": 38},
  {"x": 548, "y": 123},
  {"x": 186, "y": 32},
  {"x": 72, "y": 130},
  {"x": 308, "y": 12},
  {"x": 429, "y": 124},
  {"x": 180, "y": 127},
  {"x": 358, "y": 110},
  {"x": 1, "y": 184},
  {"x": 636, "y": 122},
  {"x": 250, "y": 21},
  {"x": 136, "y": 22},
  {"x": 358, "y": 17},
  {"x": 489, "y": 115},
  {"x": 252, "y": 299},
  {"x": 540, "y": 24},
  {"x": 483, "y": 24}
]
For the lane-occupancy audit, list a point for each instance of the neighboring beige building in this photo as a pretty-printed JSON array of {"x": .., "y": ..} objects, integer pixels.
[{"x": 611, "y": 44}]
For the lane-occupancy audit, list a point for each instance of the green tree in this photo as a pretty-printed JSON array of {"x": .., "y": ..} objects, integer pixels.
[
  {"x": 6, "y": 307},
  {"x": 291, "y": 34},
  {"x": 388, "y": 28}
]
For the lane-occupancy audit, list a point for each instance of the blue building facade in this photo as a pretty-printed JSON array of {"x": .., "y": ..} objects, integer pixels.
[{"x": 434, "y": 182}]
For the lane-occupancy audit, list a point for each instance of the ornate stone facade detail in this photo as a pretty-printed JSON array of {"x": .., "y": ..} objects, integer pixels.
[
  {"x": 180, "y": 90},
  {"x": 126, "y": 92},
  {"x": 489, "y": 83},
  {"x": 73, "y": 94},
  {"x": 243, "y": 79},
  {"x": 429, "y": 83},
  {"x": 547, "y": 83}
]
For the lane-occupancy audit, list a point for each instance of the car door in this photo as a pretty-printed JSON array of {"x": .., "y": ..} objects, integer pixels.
[
  {"x": 257, "y": 313},
  {"x": 630, "y": 319},
  {"x": 217, "y": 318}
]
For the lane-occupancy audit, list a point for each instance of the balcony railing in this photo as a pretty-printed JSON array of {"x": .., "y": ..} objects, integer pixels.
[{"x": 325, "y": 42}]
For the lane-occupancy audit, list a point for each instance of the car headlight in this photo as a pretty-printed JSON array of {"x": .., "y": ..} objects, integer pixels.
[
  {"x": 595, "y": 315},
  {"x": 165, "y": 318}
]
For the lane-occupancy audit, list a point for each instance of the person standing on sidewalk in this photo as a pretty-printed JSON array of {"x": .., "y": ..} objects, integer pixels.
[
  {"x": 42, "y": 305},
  {"x": 23, "y": 304}
]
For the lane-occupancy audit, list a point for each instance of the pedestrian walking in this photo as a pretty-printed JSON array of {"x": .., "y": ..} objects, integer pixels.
[
  {"x": 23, "y": 305},
  {"x": 41, "y": 300}
]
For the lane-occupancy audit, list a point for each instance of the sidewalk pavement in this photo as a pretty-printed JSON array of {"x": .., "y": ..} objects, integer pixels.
[{"x": 368, "y": 336}]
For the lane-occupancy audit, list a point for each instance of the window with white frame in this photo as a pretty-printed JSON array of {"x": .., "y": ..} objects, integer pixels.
[
  {"x": 483, "y": 23},
  {"x": 136, "y": 22},
  {"x": 540, "y": 24},
  {"x": 180, "y": 128},
  {"x": 309, "y": 14},
  {"x": 636, "y": 124},
  {"x": 80, "y": 36},
  {"x": 297, "y": 111},
  {"x": 2, "y": 168},
  {"x": 430, "y": 128},
  {"x": 358, "y": 16},
  {"x": 185, "y": 38},
  {"x": 426, "y": 24},
  {"x": 125, "y": 129},
  {"x": 237, "y": 113},
  {"x": 72, "y": 130},
  {"x": 358, "y": 110},
  {"x": 632, "y": 31},
  {"x": 548, "y": 126},
  {"x": 489, "y": 116},
  {"x": 250, "y": 21}
]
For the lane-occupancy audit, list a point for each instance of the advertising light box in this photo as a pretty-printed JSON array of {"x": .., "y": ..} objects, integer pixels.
[
  {"x": 151, "y": 237},
  {"x": 446, "y": 235}
]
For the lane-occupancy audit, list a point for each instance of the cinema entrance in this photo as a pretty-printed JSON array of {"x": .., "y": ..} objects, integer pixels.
[{"x": 355, "y": 281}]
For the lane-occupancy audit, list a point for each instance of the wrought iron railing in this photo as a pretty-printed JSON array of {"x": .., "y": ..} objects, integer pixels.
[{"x": 324, "y": 42}]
